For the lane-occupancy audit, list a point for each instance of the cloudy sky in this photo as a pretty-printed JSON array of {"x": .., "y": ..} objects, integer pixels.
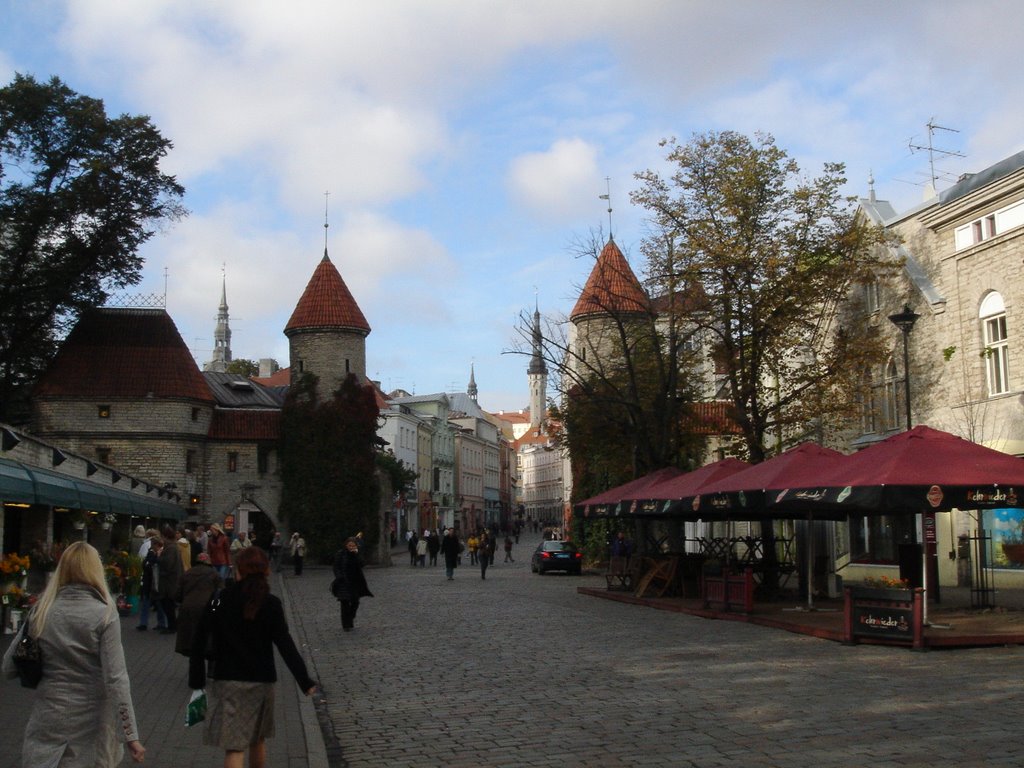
[{"x": 465, "y": 143}]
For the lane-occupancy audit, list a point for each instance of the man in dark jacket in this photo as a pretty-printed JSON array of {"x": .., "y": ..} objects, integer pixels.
[
  {"x": 349, "y": 583},
  {"x": 194, "y": 591},
  {"x": 450, "y": 548},
  {"x": 170, "y": 572}
]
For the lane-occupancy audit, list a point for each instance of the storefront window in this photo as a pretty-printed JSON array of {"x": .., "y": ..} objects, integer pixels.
[{"x": 877, "y": 538}]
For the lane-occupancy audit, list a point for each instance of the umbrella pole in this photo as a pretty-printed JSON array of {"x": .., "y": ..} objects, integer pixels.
[
  {"x": 924, "y": 569},
  {"x": 810, "y": 561}
]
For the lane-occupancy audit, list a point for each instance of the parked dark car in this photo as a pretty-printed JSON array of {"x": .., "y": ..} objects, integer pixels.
[{"x": 557, "y": 556}]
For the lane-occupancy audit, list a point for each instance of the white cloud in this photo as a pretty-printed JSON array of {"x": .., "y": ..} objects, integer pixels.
[{"x": 558, "y": 183}]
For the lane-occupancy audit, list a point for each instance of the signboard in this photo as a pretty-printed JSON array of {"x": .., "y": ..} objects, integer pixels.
[
  {"x": 894, "y": 621},
  {"x": 229, "y": 523},
  {"x": 928, "y": 521}
]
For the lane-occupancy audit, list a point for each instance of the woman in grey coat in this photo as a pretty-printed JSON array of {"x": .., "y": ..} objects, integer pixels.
[{"x": 83, "y": 709}]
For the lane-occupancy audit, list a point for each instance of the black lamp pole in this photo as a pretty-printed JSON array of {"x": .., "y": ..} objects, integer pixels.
[{"x": 905, "y": 322}]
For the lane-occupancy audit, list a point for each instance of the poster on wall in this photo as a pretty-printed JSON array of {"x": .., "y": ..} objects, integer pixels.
[{"x": 1006, "y": 527}]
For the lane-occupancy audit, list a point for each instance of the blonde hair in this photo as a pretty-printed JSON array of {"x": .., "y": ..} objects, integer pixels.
[{"x": 79, "y": 564}]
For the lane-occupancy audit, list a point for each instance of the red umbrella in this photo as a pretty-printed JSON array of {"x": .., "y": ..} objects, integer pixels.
[
  {"x": 606, "y": 503},
  {"x": 671, "y": 497},
  {"x": 745, "y": 492},
  {"x": 920, "y": 470}
]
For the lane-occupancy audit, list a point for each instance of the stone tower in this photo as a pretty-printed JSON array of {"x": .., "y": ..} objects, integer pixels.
[
  {"x": 537, "y": 376},
  {"x": 221, "y": 335},
  {"x": 327, "y": 331},
  {"x": 611, "y": 305}
]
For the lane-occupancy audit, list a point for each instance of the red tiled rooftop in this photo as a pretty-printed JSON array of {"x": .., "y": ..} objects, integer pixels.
[
  {"x": 327, "y": 303},
  {"x": 129, "y": 353},
  {"x": 611, "y": 288},
  {"x": 279, "y": 378},
  {"x": 245, "y": 424}
]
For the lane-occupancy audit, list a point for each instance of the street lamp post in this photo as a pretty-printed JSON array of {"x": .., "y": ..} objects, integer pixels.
[{"x": 905, "y": 322}]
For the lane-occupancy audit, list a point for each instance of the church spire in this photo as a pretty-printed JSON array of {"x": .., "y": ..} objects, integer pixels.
[
  {"x": 471, "y": 389},
  {"x": 222, "y": 332},
  {"x": 537, "y": 375}
]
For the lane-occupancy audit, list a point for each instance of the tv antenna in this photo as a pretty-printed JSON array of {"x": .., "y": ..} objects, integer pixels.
[{"x": 933, "y": 150}]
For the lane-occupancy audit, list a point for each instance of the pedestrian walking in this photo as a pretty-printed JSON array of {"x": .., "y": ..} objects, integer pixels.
[
  {"x": 298, "y": 550},
  {"x": 275, "y": 552},
  {"x": 483, "y": 553},
  {"x": 413, "y": 541},
  {"x": 197, "y": 586},
  {"x": 433, "y": 547},
  {"x": 83, "y": 710},
  {"x": 451, "y": 548},
  {"x": 349, "y": 583},
  {"x": 245, "y": 623},
  {"x": 241, "y": 542},
  {"x": 421, "y": 551},
  {"x": 472, "y": 543},
  {"x": 149, "y": 594},
  {"x": 170, "y": 571},
  {"x": 218, "y": 548},
  {"x": 508, "y": 549}
]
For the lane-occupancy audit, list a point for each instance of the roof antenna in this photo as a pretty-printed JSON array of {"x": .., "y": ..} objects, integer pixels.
[
  {"x": 932, "y": 150},
  {"x": 608, "y": 197}
]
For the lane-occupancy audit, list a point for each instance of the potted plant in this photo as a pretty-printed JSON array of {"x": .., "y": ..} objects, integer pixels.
[
  {"x": 884, "y": 588},
  {"x": 107, "y": 521}
]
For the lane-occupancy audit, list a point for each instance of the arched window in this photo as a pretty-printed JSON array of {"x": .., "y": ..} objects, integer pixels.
[
  {"x": 893, "y": 388},
  {"x": 995, "y": 345},
  {"x": 869, "y": 405}
]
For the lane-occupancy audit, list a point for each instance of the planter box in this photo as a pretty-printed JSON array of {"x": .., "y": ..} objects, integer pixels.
[{"x": 892, "y": 616}]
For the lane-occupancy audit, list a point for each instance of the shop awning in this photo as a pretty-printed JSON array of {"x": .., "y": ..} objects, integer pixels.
[{"x": 23, "y": 484}]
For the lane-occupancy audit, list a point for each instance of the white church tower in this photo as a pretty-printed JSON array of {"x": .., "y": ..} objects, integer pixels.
[
  {"x": 537, "y": 376},
  {"x": 221, "y": 335}
]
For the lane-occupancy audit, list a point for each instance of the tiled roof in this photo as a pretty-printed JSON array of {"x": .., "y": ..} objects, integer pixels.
[
  {"x": 130, "y": 353},
  {"x": 714, "y": 417},
  {"x": 245, "y": 424},
  {"x": 611, "y": 288},
  {"x": 327, "y": 303},
  {"x": 279, "y": 378},
  {"x": 232, "y": 390}
]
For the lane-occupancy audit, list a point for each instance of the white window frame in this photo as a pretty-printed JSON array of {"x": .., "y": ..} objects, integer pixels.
[
  {"x": 893, "y": 393},
  {"x": 995, "y": 344}
]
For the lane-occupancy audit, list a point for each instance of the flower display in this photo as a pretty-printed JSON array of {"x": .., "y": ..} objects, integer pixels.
[{"x": 886, "y": 582}]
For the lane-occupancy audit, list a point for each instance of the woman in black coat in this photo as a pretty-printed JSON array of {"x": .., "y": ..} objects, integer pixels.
[{"x": 349, "y": 583}]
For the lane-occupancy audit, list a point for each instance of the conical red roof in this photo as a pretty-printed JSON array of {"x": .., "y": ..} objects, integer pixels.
[
  {"x": 612, "y": 287},
  {"x": 327, "y": 303},
  {"x": 130, "y": 353}
]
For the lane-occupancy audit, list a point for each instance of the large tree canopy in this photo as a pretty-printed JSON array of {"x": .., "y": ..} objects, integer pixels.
[
  {"x": 79, "y": 193},
  {"x": 775, "y": 255}
]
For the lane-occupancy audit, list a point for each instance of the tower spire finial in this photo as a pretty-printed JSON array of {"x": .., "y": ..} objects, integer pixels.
[
  {"x": 608, "y": 197},
  {"x": 326, "y": 224}
]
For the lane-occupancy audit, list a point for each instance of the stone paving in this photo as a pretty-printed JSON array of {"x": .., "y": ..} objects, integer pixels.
[
  {"x": 160, "y": 692},
  {"x": 520, "y": 670}
]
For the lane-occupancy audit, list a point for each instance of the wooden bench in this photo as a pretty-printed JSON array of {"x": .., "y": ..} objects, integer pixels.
[{"x": 622, "y": 573}]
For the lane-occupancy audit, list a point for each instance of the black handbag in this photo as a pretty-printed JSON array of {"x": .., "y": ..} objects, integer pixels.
[{"x": 28, "y": 658}]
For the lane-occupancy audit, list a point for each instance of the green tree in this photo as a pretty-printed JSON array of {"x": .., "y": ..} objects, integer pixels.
[
  {"x": 79, "y": 193},
  {"x": 247, "y": 368},
  {"x": 775, "y": 255},
  {"x": 626, "y": 394},
  {"x": 328, "y": 464}
]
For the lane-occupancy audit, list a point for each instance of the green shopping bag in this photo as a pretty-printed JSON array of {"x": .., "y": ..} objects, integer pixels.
[{"x": 195, "y": 712}]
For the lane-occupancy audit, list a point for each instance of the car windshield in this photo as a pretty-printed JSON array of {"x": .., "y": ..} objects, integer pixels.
[{"x": 558, "y": 546}]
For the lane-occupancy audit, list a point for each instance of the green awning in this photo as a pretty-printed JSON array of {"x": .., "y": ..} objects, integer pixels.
[
  {"x": 23, "y": 484},
  {"x": 55, "y": 490},
  {"x": 16, "y": 483}
]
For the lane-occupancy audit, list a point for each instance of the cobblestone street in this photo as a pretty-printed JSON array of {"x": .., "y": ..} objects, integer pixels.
[{"x": 520, "y": 670}]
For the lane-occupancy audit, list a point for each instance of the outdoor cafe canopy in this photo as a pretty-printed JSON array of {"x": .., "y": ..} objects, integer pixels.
[{"x": 920, "y": 470}]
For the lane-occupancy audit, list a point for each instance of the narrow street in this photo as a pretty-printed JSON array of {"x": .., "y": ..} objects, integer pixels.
[{"x": 520, "y": 670}]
